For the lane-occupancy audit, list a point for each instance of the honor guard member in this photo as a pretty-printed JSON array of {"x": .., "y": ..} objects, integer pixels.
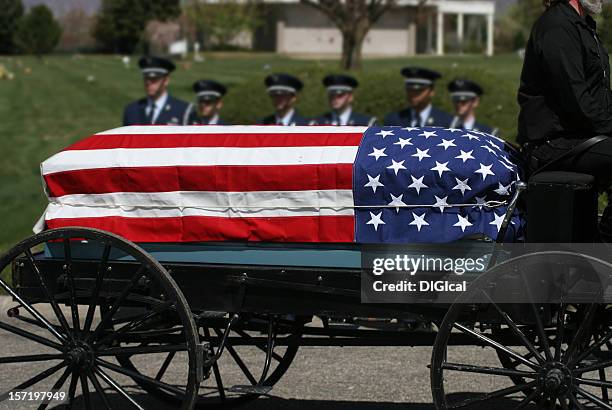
[
  {"x": 420, "y": 90},
  {"x": 158, "y": 107},
  {"x": 465, "y": 95},
  {"x": 210, "y": 101},
  {"x": 283, "y": 90},
  {"x": 340, "y": 95}
]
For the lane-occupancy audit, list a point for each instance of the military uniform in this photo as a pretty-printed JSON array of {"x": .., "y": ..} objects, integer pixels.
[
  {"x": 166, "y": 109},
  {"x": 418, "y": 79},
  {"x": 465, "y": 90},
  {"x": 278, "y": 84},
  {"x": 209, "y": 91},
  {"x": 338, "y": 83}
]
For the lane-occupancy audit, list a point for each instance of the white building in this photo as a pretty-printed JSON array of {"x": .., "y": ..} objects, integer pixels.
[{"x": 293, "y": 28}]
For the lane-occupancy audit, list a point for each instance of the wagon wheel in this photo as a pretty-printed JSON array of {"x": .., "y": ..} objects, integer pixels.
[
  {"x": 557, "y": 353},
  {"x": 54, "y": 314},
  {"x": 239, "y": 366}
]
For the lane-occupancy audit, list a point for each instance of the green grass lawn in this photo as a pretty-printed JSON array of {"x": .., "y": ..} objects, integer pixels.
[{"x": 50, "y": 104}]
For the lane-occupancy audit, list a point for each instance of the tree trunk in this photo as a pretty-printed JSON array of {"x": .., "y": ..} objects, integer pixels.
[{"x": 352, "y": 44}]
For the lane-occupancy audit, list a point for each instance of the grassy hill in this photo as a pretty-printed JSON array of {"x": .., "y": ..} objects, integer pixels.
[{"x": 53, "y": 102}]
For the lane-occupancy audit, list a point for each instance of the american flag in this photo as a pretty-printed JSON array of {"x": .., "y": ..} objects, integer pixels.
[{"x": 280, "y": 184}]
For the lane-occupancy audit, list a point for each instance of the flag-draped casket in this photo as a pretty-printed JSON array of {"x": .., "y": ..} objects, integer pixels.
[{"x": 283, "y": 184}]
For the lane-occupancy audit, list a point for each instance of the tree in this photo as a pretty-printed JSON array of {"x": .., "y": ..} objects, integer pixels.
[
  {"x": 120, "y": 24},
  {"x": 10, "y": 13},
  {"x": 38, "y": 32},
  {"x": 223, "y": 21},
  {"x": 354, "y": 18},
  {"x": 604, "y": 24}
]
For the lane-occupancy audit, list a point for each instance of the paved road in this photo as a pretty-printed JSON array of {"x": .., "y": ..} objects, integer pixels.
[{"x": 355, "y": 378}]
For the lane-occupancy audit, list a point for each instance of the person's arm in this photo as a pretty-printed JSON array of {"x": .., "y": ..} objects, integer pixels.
[{"x": 561, "y": 50}]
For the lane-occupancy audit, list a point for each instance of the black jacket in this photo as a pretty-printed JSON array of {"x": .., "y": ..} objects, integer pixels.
[{"x": 565, "y": 83}]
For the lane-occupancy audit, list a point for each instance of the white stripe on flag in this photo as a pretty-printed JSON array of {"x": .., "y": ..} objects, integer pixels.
[
  {"x": 233, "y": 129},
  {"x": 335, "y": 199},
  {"x": 57, "y": 211},
  {"x": 162, "y": 157}
]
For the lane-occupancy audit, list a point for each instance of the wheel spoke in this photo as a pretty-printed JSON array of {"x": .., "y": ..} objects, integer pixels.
[
  {"x": 30, "y": 358},
  {"x": 85, "y": 390},
  {"x": 528, "y": 399},
  {"x": 98, "y": 387},
  {"x": 72, "y": 389},
  {"x": 516, "y": 330},
  {"x": 95, "y": 294},
  {"x": 488, "y": 370},
  {"x": 239, "y": 361},
  {"x": 496, "y": 345},
  {"x": 494, "y": 395},
  {"x": 32, "y": 311},
  {"x": 56, "y": 387},
  {"x": 604, "y": 389},
  {"x": 580, "y": 333},
  {"x": 164, "y": 366},
  {"x": 73, "y": 302},
  {"x": 591, "y": 349},
  {"x": 118, "y": 389},
  {"x": 596, "y": 366},
  {"x": 136, "y": 375},
  {"x": 593, "y": 382},
  {"x": 593, "y": 399},
  {"x": 32, "y": 381},
  {"x": 133, "y": 324},
  {"x": 216, "y": 372},
  {"x": 538, "y": 321},
  {"x": 29, "y": 335},
  {"x": 260, "y": 346},
  {"x": 575, "y": 401},
  {"x": 116, "y": 304},
  {"x": 56, "y": 309}
]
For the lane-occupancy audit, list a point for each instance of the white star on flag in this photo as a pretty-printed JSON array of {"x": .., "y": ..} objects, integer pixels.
[
  {"x": 377, "y": 153},
  {"x": 494, "y": 145},
  {"x": 397, "y": 202},
  {"x": 373, "y": 183},
  {"x": 452, "y": 129},
  {"x": 462, "y": 222},
  {"x": 403, "y": 142},
  {"x": 484, "y": 170},
  {"x": 441, "y": 203},
  {"x": 465, "y": 155},
  {"x": 419, "y": 221},
  {"x": 462, "y": 185},
  {"x": 440, "y": 168},
  {"x": 488, "y": 149},
  {"x": 396, "y": 166},
  {"x": 417, "y": 184},
  {"x": 508, "y": 167},
  {"x": 471, "y": 137},
  {"x": 410, "y": 129},
  {"x": 447, "y": 144},
  {"x": 480, "y": 202},
  {"x": 384, "y": 133},
  {"x": 502, "y": 189},
  {"x": 375, "y": 220},
  {"x": 421, "y": 154},
  {"x": 428, "y": 134},
  {"x": 499, "y": 219}
]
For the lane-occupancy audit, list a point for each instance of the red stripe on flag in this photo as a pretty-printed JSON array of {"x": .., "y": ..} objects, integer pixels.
[
  {"x": 202, "y": 228},
  {"x": 209, "y": 178},
  {"x": 228, "y": 140}
]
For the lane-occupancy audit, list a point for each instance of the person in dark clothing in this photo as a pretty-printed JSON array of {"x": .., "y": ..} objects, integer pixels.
[
  {"x": 283, "y": 90},
  {"x": 565, "y": 95}
]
